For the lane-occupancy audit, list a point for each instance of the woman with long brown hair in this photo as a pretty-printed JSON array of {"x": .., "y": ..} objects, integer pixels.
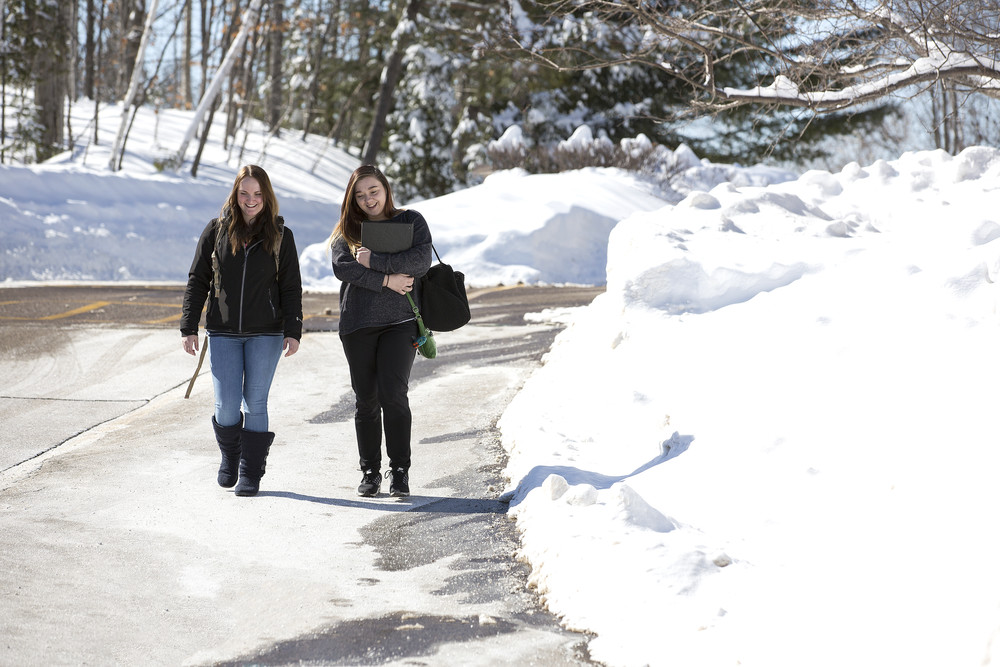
[
  {"x": 377, "y": 324},
  {"x": 247, "y": 267}
]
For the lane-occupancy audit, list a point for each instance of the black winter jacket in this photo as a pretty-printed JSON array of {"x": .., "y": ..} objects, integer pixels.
[
  {"x": 363, "y": 301},
  {"x": 254, "y": 297}
]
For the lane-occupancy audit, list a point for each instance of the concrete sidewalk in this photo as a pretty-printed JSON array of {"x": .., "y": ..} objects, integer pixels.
[{"x": 118, "y": 547}]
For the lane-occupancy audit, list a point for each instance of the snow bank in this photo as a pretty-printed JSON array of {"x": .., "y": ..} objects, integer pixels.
[{"x": 771, "y": 442}]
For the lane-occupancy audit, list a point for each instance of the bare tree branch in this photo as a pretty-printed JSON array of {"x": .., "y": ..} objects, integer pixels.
[{"x": 821, "y": 55}]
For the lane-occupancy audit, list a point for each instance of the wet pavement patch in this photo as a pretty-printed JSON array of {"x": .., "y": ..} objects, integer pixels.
[{"x": 371, "y": 641}]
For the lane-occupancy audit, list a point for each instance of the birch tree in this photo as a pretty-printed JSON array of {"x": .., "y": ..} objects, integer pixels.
[
  {"x": 248, "y": 23},
  {"x": 275, "y": 39},
  {"x": 186, "y": 97},
  {"x": 133, "y": 87}
]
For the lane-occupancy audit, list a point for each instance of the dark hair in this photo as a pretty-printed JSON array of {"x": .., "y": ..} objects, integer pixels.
[
  {"x": 266, "y": 222},
  {"x": 351, "y": 213}
]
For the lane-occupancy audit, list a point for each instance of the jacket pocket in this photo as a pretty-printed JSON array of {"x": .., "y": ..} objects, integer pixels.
[{"x": 274, "y": 300}]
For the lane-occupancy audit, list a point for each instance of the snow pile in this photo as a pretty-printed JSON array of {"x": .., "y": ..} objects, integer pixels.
[
  {"x": 516, "y": 227},
  {"x": 773, "y": 440}
]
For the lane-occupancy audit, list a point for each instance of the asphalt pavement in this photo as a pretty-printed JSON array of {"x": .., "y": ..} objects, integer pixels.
[{"x": 117, "y": 546}]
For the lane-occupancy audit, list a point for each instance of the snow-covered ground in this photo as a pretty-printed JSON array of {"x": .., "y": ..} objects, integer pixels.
[{"x": 770, "y": 442}]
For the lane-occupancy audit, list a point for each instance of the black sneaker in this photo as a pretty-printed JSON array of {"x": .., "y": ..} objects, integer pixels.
[
  {"x": 370, "y": 483},
  {"x": 400, "y": 485}
]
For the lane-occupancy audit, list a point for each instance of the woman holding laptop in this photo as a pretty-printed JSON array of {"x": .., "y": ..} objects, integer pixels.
[{"x": 377, "y": 324}]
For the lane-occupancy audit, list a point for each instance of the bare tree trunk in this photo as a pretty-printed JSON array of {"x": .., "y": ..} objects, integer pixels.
[
  {"x": 203, "y": 139},
  {"x": 240, "y": 114},
  {"x": 89, "y": 48},
  {"x": 51, "y": 69},
  {"x": 247, "y": 110},
  {"x": 946, "y": 119},
  {"x": 74, "y": 50},
  {"x": 132, "y": 34},
  {"x": 247, "y": 113},
  {"x": 133, "y": 87},
  {"x": 73, "y": 16},
  {"x": 187, "y": 99},
  {"x": 937, "y": 117},
  {"x": 240, "y": 82},
  {"x": 207, "y": 13},
  {"x": 49, "y": 94},
  {"x": 390, "y": 77},
  {"x": 958, "y": 141},
  {"x": 3, "y": 81},
  {"x": 334, "y": 132},
  {"x": 329, "y": 38},
  {"x": 97, "y": 82},
  {"x": 236, "y": 102},
  {"x": 274, "y": 70},
  {"x": 249, "y": 22}
]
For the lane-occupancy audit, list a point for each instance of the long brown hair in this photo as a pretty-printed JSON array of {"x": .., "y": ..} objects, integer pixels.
[
  {"x": 265, "y": 223},
  {"x": 352, "y": 215}
]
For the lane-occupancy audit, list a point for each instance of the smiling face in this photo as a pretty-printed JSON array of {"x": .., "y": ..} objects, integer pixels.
[
  {"x": 370, "y": 197},
  {"x": 250, "y": 199}
]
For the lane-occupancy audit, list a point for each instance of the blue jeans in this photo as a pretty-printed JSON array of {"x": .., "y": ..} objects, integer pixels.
[{"x": 242, "y": 370}]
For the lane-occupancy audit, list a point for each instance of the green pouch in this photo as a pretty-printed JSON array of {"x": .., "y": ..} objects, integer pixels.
[{"x": 425, "y": 341}]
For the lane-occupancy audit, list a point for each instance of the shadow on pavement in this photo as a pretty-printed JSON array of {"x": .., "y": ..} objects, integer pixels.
[{"x": 410, "y": 504}]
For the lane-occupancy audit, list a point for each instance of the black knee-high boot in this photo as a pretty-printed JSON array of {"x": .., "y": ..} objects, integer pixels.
[
  {"x": 252, "y": 461},
  {"x": 228, "y": 438}
]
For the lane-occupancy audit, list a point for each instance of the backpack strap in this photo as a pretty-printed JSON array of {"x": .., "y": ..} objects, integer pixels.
[
  {"x": 277, "y": 247},
  {"x": 216, "y": 267}
]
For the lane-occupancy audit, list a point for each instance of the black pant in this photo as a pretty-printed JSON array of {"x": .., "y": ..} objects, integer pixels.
[{"x": 380, "y": 359}]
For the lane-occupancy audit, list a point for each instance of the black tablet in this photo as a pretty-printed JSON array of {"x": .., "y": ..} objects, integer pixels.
[{"x": 386, "y": 237}]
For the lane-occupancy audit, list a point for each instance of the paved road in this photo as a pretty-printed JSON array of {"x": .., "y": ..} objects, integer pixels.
[
  {"x": 46, "y": 399},
  {"x": 117, "y": 547},
  {"x": 23, "y": 309}
]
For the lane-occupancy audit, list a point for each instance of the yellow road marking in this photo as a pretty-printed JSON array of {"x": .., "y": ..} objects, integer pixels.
[
  {"x": 76, "y": 311},
  {"x": 147, "y": 304},
  {"x": 490, "y": 290},
  {"x": 164, "y": 319}
]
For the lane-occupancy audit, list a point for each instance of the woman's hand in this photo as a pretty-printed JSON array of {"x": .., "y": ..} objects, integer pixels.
[
  {"x": 190, "y": 344},
  {"x": 400, "y": 283},
  {"x": 291, "y": 346},
  {"x": 364, "y": 257}
]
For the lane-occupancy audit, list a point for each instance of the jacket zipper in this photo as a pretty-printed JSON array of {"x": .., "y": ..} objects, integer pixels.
[{"x": 243, "y": 283}]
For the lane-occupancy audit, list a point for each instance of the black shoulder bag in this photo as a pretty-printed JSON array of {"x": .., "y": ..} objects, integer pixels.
[{"x": 443, "y": 302}]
